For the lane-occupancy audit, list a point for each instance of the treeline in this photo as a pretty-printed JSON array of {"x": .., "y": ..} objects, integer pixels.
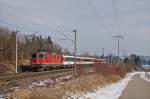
[
  {"x": 26, "y": 45},
  {"x": 134, "y": 61}
]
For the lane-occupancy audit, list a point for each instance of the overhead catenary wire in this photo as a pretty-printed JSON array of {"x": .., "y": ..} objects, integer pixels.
[
  {"x": 68, "y": 38},
  {"x": 116, "y": 16},
  {"x": 12, "y": 14},
  {"x": 17, "y": 17},
  {"x": 28, "y": 14},
  {"x": 39, "y": 18},
  {"x": 47, "y": 22},
  {"x": 115, "y": 11},
  {"x": 13, "y": 26},
  {"x": 98, "y": 17},
  {"x": 33, "y": 23}
]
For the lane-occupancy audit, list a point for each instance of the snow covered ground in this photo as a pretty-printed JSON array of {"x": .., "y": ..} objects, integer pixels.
[
  {"x": 144, "y": 76},
  {"x": 112, "y": 91},
  {"x": 2, "y": 97}
]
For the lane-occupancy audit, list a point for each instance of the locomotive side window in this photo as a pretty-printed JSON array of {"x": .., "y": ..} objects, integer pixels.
[
  {"x": 33, "y": 55},
  {"x": 40, "y": 56}
]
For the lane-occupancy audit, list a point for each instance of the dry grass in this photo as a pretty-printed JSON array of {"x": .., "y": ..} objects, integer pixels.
[
  {"x": 77, "y": 85},
  {"x": 22, "y": 94}
]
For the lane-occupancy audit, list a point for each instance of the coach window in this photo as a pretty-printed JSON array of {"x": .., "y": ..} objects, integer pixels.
[
  {"x": 72, "y": 59},
  {"x": 78, "y": 59},
  {"x": 67, "y": 59}
]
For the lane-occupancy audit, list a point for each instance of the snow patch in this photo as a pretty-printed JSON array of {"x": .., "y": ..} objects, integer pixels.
[
  {"x": 2, "y": 97},
  {"x": 48, "y": 82},
  {"x": 112, "y": 91},
  {"x": 145, "y": 76}
]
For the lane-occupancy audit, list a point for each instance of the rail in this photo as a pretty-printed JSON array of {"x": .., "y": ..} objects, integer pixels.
[{"x": 53, "y": 74}]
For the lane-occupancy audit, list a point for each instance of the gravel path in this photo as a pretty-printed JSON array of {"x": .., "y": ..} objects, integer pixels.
[{"x": 137, "y": 89}]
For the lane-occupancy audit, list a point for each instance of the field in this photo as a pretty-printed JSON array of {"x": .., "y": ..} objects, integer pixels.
[
  {"x": 45, "y": 87},
  {"x": 81, "y": 84}
]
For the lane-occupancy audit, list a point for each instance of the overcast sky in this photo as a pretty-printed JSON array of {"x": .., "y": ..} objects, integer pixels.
[{"x": 50, "y": 16}]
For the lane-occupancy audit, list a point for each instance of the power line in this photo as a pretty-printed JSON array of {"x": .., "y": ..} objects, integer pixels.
[
  {"x": 68, "y": 38},
  {"x": 33, "y": 22},
  {"x": 15, "y": 26},
  {"x": 116, "y": 16},
  {"x": 38, "y": 18},
  {"x": 98, "y": 17},
  {"x": 12, "y": 14},
  {"x": 118, "y": 24}
]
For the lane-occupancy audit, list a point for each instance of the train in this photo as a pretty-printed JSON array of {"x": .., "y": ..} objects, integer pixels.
[{"x": 43, "y": 60}]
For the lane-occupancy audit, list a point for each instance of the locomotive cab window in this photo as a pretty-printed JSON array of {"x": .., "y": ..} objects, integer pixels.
[{"x": 33, "y": 55}]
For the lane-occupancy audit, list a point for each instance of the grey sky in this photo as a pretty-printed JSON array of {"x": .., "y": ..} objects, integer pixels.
[{"x": 49, "y": 16}]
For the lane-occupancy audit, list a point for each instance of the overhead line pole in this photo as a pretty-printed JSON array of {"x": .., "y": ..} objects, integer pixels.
[
  {"x": 16, "y": 51},
  {"x": 103, "y": 51},
  {"x": 75, "y": 47},
  {"x": 118, "y": 37},
  {"x": 75, "y": 51}
]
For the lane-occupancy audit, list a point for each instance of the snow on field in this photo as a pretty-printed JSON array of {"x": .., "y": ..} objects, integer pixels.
[
  {"x": 112, "y": 91},
  {"x": 48, "y": 82},
  {"x": 2, "y": 97},
  {"x": 145, "y": 76},
  {"x": 39, "y": 83}
]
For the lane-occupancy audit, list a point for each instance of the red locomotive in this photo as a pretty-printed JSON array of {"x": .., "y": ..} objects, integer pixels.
[{"x": 45, "y": 61}]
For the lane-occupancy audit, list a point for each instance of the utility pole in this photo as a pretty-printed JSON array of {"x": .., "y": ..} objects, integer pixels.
[
  {"x": 118, "y": 37},
  {"x": 103, "y": 51},
  {"x": 75, "y": 51},
  {"x": 16, "y": 51},
  {"x": 16, "y": 33}
]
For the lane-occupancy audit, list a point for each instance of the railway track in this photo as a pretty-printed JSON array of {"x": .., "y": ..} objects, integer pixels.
[{"x": 52, "y": 74}]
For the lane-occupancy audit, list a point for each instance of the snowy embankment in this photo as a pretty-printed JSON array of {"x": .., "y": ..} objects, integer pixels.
[
  {"x": 145, "y": 76},
  {"x": 112, "y": 91}
]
